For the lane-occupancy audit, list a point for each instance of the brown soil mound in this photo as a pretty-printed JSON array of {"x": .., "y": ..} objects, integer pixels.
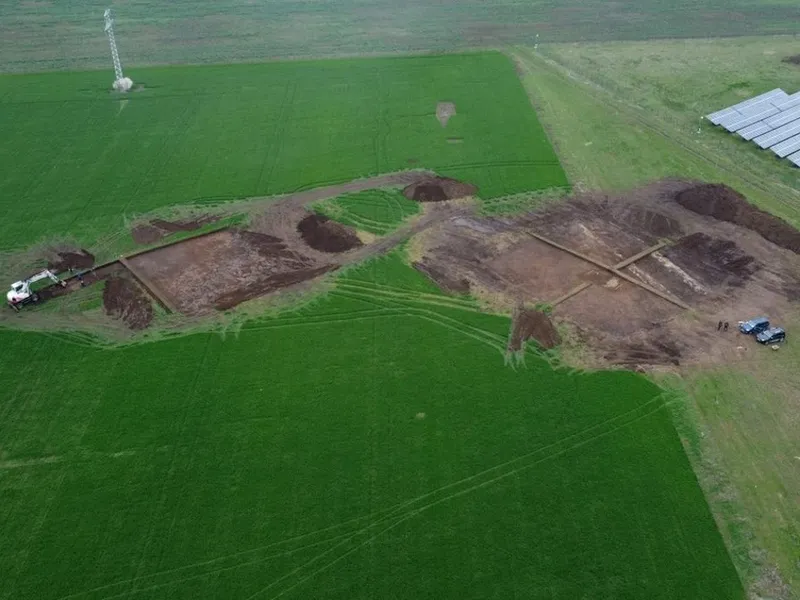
[
  {"x": 437, "y": 189},
  {"x": 322, "y": 234},
  {"x": 721, "y": 202},
  {"x": 794, "y": 60},
  {"x": 532, "y": 324},
  {"x": 157, "y": 229},
  {"x": 72, "y": 260},
  {"x": 124, "y": 299}
]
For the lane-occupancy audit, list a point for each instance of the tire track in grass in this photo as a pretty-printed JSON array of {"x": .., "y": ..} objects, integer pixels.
[
  {"x": 456, "y": 489},
  {"x": 402, "y": 512}
]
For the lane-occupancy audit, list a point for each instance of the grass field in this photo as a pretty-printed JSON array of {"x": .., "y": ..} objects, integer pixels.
[
  {"x": 739, "y": 421},
  {"x": 46, "y": 34},
  {"x": 373, "y": 211},
  {"x": 372, "y": 445},
  {"x": 80, "y": 159}
]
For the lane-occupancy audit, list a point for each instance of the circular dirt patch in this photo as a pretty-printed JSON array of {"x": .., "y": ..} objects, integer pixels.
[
  {"x": 124, "y": 299},
  {"x": 325, "y": 235},
  {"x": 437, "y": 189}
]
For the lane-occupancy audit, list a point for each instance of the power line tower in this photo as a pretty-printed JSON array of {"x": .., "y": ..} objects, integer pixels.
[{"x": 121, "y": 83}]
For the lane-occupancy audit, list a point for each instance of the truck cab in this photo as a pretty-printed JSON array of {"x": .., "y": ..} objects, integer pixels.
[
  {"x": 775, "y": 335},
  {"x": 754, "y": 326}
]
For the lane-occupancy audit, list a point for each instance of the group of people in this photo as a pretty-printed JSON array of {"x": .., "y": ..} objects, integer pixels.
[{"x": 722, "y": 325}]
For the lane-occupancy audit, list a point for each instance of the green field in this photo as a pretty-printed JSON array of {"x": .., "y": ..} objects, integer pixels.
[
  {"x": 47, "y": 34},
  {"x": 80, "y": 159},
  {"x": 373, "y": 211},
  {"x": 639, "y": 104},
  {"x": 372, "y": 442},
  {"x": 372, "y": 445}
]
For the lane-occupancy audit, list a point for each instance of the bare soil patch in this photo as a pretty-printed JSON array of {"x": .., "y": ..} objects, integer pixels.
[
  {"x": 794, "y": 60},
  {"x": 158, "y": 229},
  {"x": 325, "y": 235},
  {"x": 437, "y": 189},
  {"x": 444, "y": 111},
  {"x": 124, "y": 299},
  {"x": 224, "y": 268},
  {"x": 67, "y": 261},
  {"x": 723, "y": 269},
  {"x": 723, "y": 203},
  {"x": 89, "y": 277},
  {"x": 529, "y": 324}
]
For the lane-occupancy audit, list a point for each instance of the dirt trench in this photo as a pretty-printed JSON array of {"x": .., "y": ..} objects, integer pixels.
[{"x": 124, "y": 299}]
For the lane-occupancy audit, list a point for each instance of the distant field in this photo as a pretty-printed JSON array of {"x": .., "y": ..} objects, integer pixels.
[
  {"x": 374, "y": 211},
  {"x": 78, "y": 159},
  {"x": 46, "y": 34},
  {"x": 371, "y": 445}
]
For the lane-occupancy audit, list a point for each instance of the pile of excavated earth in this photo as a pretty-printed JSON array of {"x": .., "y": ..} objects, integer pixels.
[{"x": 642, "y": 278}]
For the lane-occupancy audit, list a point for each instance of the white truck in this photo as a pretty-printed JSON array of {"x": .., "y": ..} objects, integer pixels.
[{"x": 21, "y": 293}]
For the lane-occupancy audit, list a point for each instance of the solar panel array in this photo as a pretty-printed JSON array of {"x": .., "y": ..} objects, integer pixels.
[{"x": 771, "y": 120}]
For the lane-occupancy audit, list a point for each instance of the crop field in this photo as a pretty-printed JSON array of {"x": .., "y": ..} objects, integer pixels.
[
  {"x": 373, "y": 211},
  {"x": 292, "y": 461},
  {"x": 375, "y": 441},
  {"x": 47, "y": 34},
  {"x": 81, "y": 159}
]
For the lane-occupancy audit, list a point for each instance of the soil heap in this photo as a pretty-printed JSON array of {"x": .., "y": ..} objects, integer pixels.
[
  {"x": 437, "y": 189},
  {"x": 532, "y": 324},
  {"x": 325, "y": 235},
  {"x": 82, "y": 259},
  {"x": 722, "y": 203}
]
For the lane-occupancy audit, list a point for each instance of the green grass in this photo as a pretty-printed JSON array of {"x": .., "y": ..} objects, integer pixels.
[
  {"x": 617, "y": 144},
  {"x": 47, "y": 34},
  {"x": 744, "y": 412},
  {"x": 381, "y": 448},
  {"x": 78, "y": 158},
  {"x": 375, "y": 211}
]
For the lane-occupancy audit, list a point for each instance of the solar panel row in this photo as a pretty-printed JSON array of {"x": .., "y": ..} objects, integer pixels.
[{"x": 770, "y": 120}]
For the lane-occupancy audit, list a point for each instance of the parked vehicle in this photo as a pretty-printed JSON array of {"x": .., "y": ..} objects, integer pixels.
[
  {"x": 774, "y": 335},
  {"x": 754, "y": 326}
]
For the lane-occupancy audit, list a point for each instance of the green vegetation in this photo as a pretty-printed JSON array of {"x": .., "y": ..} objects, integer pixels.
[
  {"x": 79, "y": 158},
  {"x": 374, "y": 211},
  {"x": 640, "y": 104},
  {"x": 47, "y": 34},
  {"x": 370, "y": 442},
  {"x": 744, "y": 412}
]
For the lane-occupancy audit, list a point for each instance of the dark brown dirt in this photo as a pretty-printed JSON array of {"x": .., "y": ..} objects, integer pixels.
[
  {"x": 794, "y": 60},
  {"x": 124, "y": 299},
  {"x": 532, "y": 325},
  {"x": 712, "y": 260},
  {"x": 452, "y": 285},
  {"x": 438, "y": 189},
  {"x": 725, "y": 204},
  {"x": 723, "y": 270},
  {"x": 72, "y": 260},
  {"x": 157, "y": 229},
  {"x": 324, "y": 235}
]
